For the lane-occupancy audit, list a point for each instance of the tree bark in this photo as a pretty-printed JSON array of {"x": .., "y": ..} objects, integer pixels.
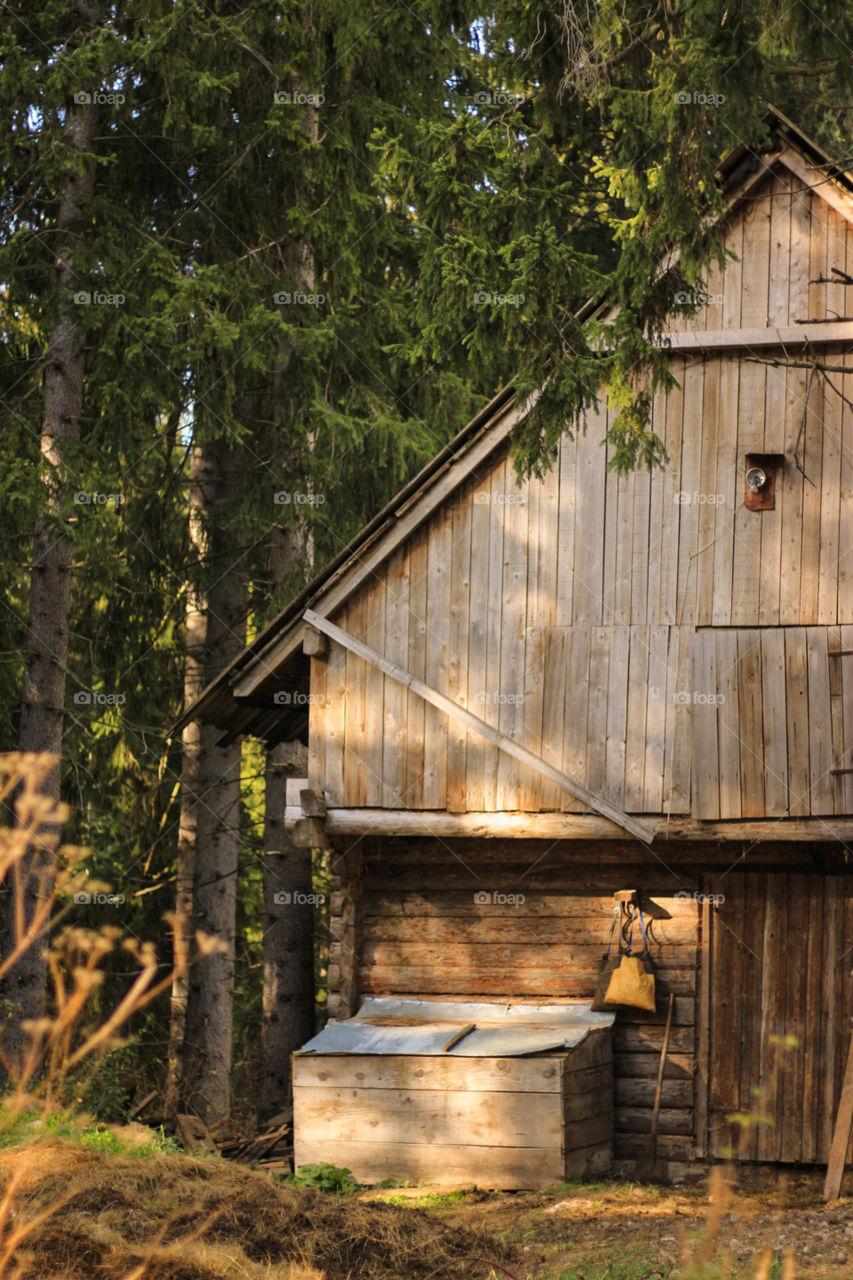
[
  {"x": 46, "y": 656},
  {"x": 288, "y": 923},
  {"x": 202, "y": 497},
  {"x": 209, "y": 832}
]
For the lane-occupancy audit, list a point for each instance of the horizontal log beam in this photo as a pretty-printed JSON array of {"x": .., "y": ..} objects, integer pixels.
[{"x": 567, "y": 826}]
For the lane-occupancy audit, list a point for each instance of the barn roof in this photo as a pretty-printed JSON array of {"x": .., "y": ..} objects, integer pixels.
[{"x": 241, "y": 699}]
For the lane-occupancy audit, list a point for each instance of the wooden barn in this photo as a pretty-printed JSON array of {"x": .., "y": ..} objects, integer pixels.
[{"x": 520, "y": 699}]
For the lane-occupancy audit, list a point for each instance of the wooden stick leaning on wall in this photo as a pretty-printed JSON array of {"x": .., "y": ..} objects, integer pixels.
[{"x": 841, "y": 1133}]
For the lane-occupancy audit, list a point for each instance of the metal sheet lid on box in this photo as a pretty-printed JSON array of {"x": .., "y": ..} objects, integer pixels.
[{"x": 385, "y": 1025}]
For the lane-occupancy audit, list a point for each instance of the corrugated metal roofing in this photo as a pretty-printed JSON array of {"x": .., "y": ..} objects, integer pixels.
[{"x": 409, "y": 1026}]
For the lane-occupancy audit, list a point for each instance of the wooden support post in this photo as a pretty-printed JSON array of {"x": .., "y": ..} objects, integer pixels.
[{"x": 841, "y": 1135}]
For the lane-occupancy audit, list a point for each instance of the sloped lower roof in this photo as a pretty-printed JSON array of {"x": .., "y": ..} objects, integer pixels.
[{"x": 275, "y": 657}]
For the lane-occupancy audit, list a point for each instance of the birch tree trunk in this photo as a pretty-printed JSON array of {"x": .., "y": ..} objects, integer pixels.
[{"x": 46, "y": 656}]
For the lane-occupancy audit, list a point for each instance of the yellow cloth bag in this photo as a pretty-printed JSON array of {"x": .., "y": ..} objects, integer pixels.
[{"x": 630, "y": 984}]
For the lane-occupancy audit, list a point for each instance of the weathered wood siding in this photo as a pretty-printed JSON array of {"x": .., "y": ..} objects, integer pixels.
[
  {"x": 425, "y": 929},
  {"x": 783, "y": 238},
  {"x": 564, "y": 610},
  {"x": 780, "y": 1012},
  {"x": 494, "y": 1122},
  {"x": 772, "y": 715}
]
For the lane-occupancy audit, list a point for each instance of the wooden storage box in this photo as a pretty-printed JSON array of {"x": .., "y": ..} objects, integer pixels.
[{"x": 514, "y": 1123}]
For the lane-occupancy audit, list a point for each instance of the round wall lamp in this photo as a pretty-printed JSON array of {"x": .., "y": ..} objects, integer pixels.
[{"x": 756, "y": 479}]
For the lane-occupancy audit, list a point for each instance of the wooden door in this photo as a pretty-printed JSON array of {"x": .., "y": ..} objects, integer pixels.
[{"x": 780, "y": 1005}]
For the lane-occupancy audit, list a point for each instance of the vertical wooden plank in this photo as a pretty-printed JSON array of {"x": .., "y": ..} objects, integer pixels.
[
  {"x": 832, "y": 1020},
  {"x": 755, "y": 272},
  {"x": 750, "y": 948},
  {"x": 374, "y": 694},
  {"x": 751, "y": 725},
  {"x": 439, "y": 594},
  {"x": 478, "y": 635},
  {"x": 830, "y": 507},
  {"x": 677, "y": 766},
  {"x": 624, "y": 513},
  {"x": 599, "y": 674},
  {"x": 797, "y": 714},
  {"x": 780, "y": 251},
  {"x": 733, "y": 275},
  {"x": 703, "y": 717},
  {"x": 657, "y": 496},
  {"x": 812, "y": 455},
  {"x": 635, "y": 735},
  {"x": 712, "y": 312},
  {"x": 655, "y": 721},
  {"x": 771, "y": 521},
  {"x": 543, "y": 522},
  {"x": 691, "y": 453},
  {"x": 728, "y": 480},
  {"x": 793, "y": 1066},
  {"x": 774, "y": 969},
  {"x": 491, "y": 688},
  {"x": 457, "y": 672},
  {"x": 775, "y": 723},
  {"x": 639, "y": 615},
  {"x": 812, "y": 1031},
  {"x": 725, "y": 1054},
  {"x": 413, "y": 796},
  {"x": 819, "y": 722},
  {"x": 746, "y": 567},
  {"x": 728, "y": 723},
  {"x": 846, "y": 670},
  {"x": 317, "y": 727},
  {"x": 356, "y": 722},
  {"x": 789, "y": 486},
  {"x": 617, "y": 712},
  {"x": 845, "y": 526},
  {"x": 575, "y": 708},
  {"x": 818, "y": 264},
  {"x": 589, "y": 522},
  {"x": 513, "y": 626},
  {"x": 798, "y": 277},
  {"x": 707, "y": 496},
  {"x": 836, "y": 703},
  {"x": 553, "y": 718},
  {"x": 335, "y": 723},
  {"x": 530, "y": 783},
  {"x": 672, "y": 489},
  {"x": 566, "y": 530},
  {"x": 611, "y": 598},
  {"x": 395, "y": 647},
  {"x": 830, "y": 233}
]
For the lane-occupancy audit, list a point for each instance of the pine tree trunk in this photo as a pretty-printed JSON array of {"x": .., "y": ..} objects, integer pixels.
[
  {"x": 50, "y": 584},
  {"x": 208, "y": 1025},
  {"x": 289, "y": 989},
  {"x": 202, "y": 497}
]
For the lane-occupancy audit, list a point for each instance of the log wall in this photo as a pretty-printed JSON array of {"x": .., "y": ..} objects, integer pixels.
[{"x": 426, "y": 929}]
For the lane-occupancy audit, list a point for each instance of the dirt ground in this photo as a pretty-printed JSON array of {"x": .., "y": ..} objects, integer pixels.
[
  {"x": 622, "y": 1231},
  {"x": 86, "y": 1214}
]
